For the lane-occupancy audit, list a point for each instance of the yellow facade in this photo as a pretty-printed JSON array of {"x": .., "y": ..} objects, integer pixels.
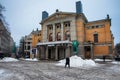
[
  {"x": 36, "y": 38},
  {"x": 95, "y": 38},
  {"x": 101, "y": 50},
  {"x": 102, "y": 28},
  {"x": 80, "y": 31}
]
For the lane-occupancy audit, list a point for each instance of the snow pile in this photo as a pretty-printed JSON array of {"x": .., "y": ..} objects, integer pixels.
[
  {"x": 8, "y": 59},
  {"x": 29, "y": 59},
  {"x": 115, "y": 62},
  {"x": 76, "y": 61},
  {"x": 101, "y": 60}
]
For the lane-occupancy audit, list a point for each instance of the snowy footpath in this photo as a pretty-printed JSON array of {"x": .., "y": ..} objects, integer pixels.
[{"x": 13, "y": 69}]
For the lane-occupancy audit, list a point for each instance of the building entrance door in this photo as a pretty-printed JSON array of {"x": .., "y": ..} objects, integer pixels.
[
  {"x": 49, "y": 53},
  {"x": 87, "y": 52}
]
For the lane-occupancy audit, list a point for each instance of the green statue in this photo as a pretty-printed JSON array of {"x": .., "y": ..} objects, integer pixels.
[{"x": 75, "y": 45}]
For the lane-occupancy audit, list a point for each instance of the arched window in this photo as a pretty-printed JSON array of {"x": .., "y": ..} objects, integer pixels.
[
  {"x": 67, "y": 35},
  {"x": 95, "y": 35},
  {"x": 50, "y": 37},
  {"x": 58, "y": 36}
]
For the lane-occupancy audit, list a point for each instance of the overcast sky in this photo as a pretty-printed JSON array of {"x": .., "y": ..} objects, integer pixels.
[{"x": 25, "y": 15}]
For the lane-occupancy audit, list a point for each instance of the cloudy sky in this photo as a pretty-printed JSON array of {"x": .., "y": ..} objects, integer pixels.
[{"x": 25, "y": 15}]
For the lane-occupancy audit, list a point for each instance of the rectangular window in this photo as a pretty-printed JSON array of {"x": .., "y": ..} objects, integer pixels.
[
  {"x": 92, "y": 27},
  {"x": 28, "y": 47},
  {"x": 97, "y": 26},
  {"x": 95, "y": 38}
]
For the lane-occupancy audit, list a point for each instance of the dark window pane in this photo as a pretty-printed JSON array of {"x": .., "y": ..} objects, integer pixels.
[{"x": 95, "y": 38}]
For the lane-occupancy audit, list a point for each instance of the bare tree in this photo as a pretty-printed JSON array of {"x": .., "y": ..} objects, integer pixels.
[{"x": 2, "y": 9}]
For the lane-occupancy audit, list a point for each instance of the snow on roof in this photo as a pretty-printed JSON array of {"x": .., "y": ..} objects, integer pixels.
[
  {"x": 76, "y": 61},
  {"x": 55, "y": 42}
]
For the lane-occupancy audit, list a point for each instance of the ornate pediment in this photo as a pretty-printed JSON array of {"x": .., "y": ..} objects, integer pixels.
[{"x": 58, "y": 15}]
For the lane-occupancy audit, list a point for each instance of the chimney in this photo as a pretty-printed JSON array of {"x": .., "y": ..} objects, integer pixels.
[
  {"x": 44, "y": 15},
  {"x": 79, "y": 7}
]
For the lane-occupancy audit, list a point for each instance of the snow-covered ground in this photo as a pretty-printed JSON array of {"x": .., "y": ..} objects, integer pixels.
[
  {"x": 1, "y": 71},
  {"x": 8, "y": 59},
  {"x": 76, "y": 61},
  {"x": 29, "y": 59},
  {"x": 115, "y": 62},
  {"x": 102, "y": 60},
  {"x": 116, "y": 66},
  {"x": 4, "y": 74},
  {"x": 29, "y": 70}
]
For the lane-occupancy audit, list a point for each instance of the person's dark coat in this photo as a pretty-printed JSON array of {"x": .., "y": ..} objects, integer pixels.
[{"x": 67, "y": 62}]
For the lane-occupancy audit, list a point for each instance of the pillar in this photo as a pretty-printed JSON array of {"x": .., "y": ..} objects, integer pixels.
[
  {"x": 67, "y": 52},
  {"x": 46, "y": 56},
  {"x": 62, "y": 53},
  {"x": 62, "y": 32},
  {"x": 53, "y": 32},
  {"x": 56, "y": 53},
  {"x": 46, "y": 35},
  {"x": 92, "y": 54}
]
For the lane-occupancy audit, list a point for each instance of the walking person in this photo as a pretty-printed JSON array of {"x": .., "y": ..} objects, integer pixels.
[
  {"x": 104, "y": 58},
  {"x": 67, "y": 62}
]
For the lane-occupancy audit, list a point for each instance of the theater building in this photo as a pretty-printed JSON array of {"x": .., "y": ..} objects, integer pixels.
[{"x": 60, "y": 29}]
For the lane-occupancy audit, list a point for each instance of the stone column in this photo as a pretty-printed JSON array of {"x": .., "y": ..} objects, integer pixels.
[
  {"x": 56, "y": 53},
  {"x": 92, "y": 54},
  {"x": 62, "y": 53},
  {"x": 36, "y": 55},
  {"x": 46, "y": 34},
  {"x": 46, "y": 56},
  {"x": 67, "y": 52},
  {"x": 53, "y": 32},
  {"x": 73, "y": 30},
  {"x": 62, "y": 32}
]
